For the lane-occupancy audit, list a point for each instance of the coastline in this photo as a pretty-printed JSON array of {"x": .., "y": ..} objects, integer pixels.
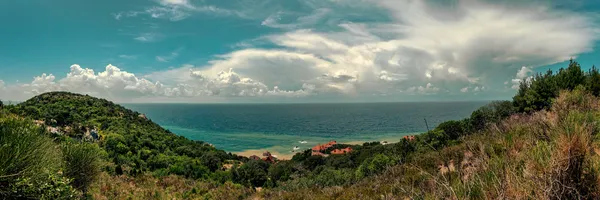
[{"x": 285, "y": 153}]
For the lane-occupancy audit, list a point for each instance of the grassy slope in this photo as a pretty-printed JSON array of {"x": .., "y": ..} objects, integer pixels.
[{"x": 543, "y": 155}]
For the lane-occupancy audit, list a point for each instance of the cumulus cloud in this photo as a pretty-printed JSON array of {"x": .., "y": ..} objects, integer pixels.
[
  {"x": 116, "y": 84},
  {"x": 423, "y": 48},
  {"x": 475, "y": 45},
  {"x": 523, "y": 74}
]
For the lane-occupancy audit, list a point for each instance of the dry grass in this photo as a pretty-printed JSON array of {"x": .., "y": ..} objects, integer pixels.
[
  {"x": 169, "y": 187},
  {"x": 551, "y": 154}
]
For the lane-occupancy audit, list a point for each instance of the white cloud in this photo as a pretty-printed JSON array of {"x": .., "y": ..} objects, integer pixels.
[
  {"x": 147, "y": 37},
  {"x": 169, "y": 57},
  {"x": 274, "y": 20},
  {"x": 116, "y": 84},
  {"x": 161, "y": 59},
  {"x": 473, "y": 47},
  {"x": 131, "y": 57},
  {"x": 524, "y": 73},
  {"x": 176, "y": 10}
]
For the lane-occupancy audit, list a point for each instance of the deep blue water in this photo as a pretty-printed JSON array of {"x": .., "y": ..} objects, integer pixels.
[{"x": 240, "y": 127}]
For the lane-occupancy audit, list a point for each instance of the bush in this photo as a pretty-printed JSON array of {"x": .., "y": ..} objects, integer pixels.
[
  {"x": 25, "y": 152},
  {"x": 82, "y": 164},
  {"x": 454, "y": 129},
  {"x": 374, "y": 166},
  {"x": 253, "y": 173},
  {"x": 51, "y": 186}
]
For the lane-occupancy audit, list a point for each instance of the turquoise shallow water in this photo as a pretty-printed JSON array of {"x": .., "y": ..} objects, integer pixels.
[{"x": 279, "y": 127}]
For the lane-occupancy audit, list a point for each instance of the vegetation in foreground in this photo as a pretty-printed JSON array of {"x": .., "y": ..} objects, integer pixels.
[{"x": 540, "y": 145}]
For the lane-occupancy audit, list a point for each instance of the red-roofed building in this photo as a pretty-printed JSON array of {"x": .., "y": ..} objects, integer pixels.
[
  {"x": 329, "y": 144},
  {"x": 409, "y": 137},
  {"x": 341, "y": 151},
  {"x": 267, "y": 154},
  {"x": 254, "y": 157},
  {"x": 318, "y": 150}
]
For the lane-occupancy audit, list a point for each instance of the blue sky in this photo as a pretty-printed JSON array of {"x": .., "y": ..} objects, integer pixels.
[{"x": 288, "y": 51}]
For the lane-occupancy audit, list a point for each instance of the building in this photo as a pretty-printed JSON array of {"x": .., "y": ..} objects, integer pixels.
[
  {"x": 254, "y": 157},
  {"x": 341, "y": 151},
  {"x": 318, "y": 150},
  {"x": 409, "y": 137},
  {"x": 269, "y": 157}
]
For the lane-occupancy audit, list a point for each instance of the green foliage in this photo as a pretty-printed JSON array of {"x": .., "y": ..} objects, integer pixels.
[
  {"x": 282, "y": 171},
  {"x": 131, "y": 141},
  {"x": 222, "y": 176},
  {"x": 454, "y": 129},
  {"x": 593, "y": 81},
  {"x": 25, "y": 152},
  {"x": 490, "y": 113},
  {"x": 299, "y": 157},
  {"x": 537, "y": 93},
  {"x": 50, "y": 186},
  {"x": 313, "y": 161},
  {"x": 82, "y": 164},
  {"x": 374, "y": 165},
  {"x": 252, "y": 173}
]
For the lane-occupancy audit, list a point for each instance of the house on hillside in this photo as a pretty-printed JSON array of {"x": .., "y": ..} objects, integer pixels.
[
  {"x": 319, "y": 149},
  {"x": 316, "y": 150},
  {"x": 254, "y": 157},
  {"x": 341, "y": 151},
  {"x": 268, "y": 157},
  {"x": 409, "y": 137}
]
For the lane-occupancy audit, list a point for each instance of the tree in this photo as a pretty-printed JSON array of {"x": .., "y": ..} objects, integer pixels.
[
  {"x": 374, "y": 165},
  {"x": 281, "y": 171},
  {"x": 252, "y": 173},
  {"x": 1, "y": 104},
  {"x": 571, "y": 77},
  {"x": 313, "y": 161},
  {"x": 593, "y": 81},
  {"x": 454, "y": 129}
]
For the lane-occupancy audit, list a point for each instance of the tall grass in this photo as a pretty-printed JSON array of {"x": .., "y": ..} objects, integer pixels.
[
  {"x": 82, "y": 164},
  {"x": 24, "y": 151},
  {"x": 551, "y": 154},
  {"x": 30, "y": 163}
]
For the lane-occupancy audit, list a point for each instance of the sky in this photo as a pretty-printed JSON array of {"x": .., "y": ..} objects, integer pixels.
[{"x": 223, "y": 51}]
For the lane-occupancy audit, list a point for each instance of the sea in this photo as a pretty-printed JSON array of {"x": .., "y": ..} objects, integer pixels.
[{"x": 285, "y": 129}]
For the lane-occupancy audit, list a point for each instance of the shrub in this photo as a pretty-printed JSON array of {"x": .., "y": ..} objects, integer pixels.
[
  {"x": 25, "y": 152},
  {"x": 374, "y": 166},
  {"x": 454, "y": 129},
  {"x": 252, "y": 173},
  {"x": 51, "y": 186},
  {"x": 82, "y": 164}
]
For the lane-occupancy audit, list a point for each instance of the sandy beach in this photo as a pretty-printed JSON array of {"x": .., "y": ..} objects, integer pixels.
[{"x": 285, "y": 153}]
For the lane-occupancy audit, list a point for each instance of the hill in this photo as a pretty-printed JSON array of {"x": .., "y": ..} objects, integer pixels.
[{"x": 131, "y": 140}]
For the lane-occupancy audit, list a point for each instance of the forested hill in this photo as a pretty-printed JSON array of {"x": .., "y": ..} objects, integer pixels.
[{"x": 132, "y": 141}]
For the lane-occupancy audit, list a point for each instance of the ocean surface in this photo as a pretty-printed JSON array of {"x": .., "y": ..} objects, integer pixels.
[{"x": 280, "y": 127}]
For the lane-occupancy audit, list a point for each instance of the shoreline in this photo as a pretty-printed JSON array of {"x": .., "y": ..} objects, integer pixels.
[{"x": 284, "y": 153}]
